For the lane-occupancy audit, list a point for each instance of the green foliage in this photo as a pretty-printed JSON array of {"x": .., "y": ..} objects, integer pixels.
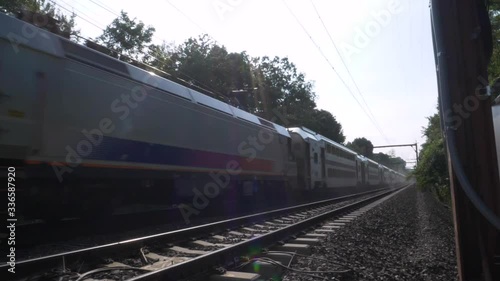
[
  {"x": 324, "y": 123},
  {"x": 390, "y": 161},
  {"x": 204, "y": 63},
  {"x": 126, "y": 36},
  {"x": 65, "y": 25},
  {"x": 494, "y": 67},
  {"x": 283, "y": 88},
  {"x": 271, "y": 88},
  {"x": 362, "y": 146},
  {"x": 15, "y": 6},
  {"x": 431, "y": 172}
]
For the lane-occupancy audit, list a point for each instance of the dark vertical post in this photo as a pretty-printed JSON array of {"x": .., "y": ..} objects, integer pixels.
[
  {"x": 416, "y": 151},
  {"x": 462, "y": 45}
]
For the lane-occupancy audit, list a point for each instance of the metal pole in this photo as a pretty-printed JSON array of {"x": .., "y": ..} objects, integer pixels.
[
  {"x": 460, "y": 35},
  {"x": 416, "y": 150}
]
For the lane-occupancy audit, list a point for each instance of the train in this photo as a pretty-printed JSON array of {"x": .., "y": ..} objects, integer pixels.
[{"x": 89, "y": 134}]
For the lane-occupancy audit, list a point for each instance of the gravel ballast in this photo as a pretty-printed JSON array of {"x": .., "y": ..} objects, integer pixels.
[
  {"x": 86, "y": 241},
  {"x": 408, "y": 237}
]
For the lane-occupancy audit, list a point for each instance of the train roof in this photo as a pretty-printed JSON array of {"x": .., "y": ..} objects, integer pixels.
[
  {"x": 55, "y": 45},
  {"x": 338, "y": 145},
  {"x": 305, "y": 133},
  {"x": 308, "y": 134}
]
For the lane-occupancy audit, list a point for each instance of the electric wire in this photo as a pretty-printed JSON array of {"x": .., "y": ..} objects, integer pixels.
[
  {"x": 446, "y": 106},
  {"x": 288, "y": 267},
  {"x": 163, "y": 60},
  {"x": 345, "y": 65},
  {"x": 82, "y": 276},
  {"x": 79, "y": 14},
  {"x": 333, "y": 68},
  {"x": 193, "y": 22},
  {"x": 104, "y": 7},
  {"x": 185, "y": 15}
]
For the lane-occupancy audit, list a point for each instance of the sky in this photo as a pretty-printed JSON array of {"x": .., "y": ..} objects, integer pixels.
[{"x": 377, "y": 77}]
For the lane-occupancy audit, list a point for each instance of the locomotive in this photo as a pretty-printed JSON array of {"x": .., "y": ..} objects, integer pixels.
[{"x": 90, "y": 134}]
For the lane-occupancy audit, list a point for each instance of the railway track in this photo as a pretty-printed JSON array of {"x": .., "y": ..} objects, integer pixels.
[
  {"x": 196, "y": 251},
  {"x": 74, "y": 234}
]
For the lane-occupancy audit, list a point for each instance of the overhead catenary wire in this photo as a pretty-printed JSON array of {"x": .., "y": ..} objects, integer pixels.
[
  {"x": 369, "y": 114},
  {"x": 102, "y": 5},
  {"x": 79, "y": 14},
  {"x": 163, "y": 60},
  {"x": 333, "y": 68},
  {"x": 345, "y": 65},
  {"x": 193, "y": 22},
  {"x": 185, "y": 15}
]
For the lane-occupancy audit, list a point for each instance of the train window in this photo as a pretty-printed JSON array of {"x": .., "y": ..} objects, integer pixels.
[
  {"x": 266, "y": 123},
  {"x": 315, "y": 158}
]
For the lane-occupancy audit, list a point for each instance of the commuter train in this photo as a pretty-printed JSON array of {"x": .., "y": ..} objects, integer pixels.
[{"x": 89, "y": 134}]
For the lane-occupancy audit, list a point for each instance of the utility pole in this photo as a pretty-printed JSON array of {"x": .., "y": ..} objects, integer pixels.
[{"x": 462, "y": 47}]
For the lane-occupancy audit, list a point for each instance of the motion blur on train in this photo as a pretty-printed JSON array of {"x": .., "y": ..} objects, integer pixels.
[{"x": 91, "y": 135}]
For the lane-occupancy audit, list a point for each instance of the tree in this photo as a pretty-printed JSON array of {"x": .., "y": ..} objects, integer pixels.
[
  {"x": 159, "y": 56},
  {"x": 283, "y": 88},
  {"x": 383, "y": 159},
  {"x": 127, "y": 37},
  {"x": 44, "y": 15},
  {"x": 431, "y": 172},
  {"x": 390, "y": 160},
  {"x": 14, "y": 6},
  {"x": 362, "y": 146},
  {"x": 262, "y": 86},
  {"x": 324, "y": 123},
  {"x": 205, "y": 64},
  {"x": 494, "y": 67}
]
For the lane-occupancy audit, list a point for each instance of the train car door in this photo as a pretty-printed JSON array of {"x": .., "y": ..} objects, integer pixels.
[
  {"x": 381, "y": 175},
  {"x": 364, "y": 171},
  {"x": 360, "y": 170},
  {"x": 323, "y": 165},
  {"x": 315, "y": 165},
  {"x": 307, "y": 162}
]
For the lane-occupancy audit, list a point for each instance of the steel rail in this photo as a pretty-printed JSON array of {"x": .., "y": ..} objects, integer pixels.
[
  {"x": 249, "y": 247},
  {"x": 33, "y": 267}
]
